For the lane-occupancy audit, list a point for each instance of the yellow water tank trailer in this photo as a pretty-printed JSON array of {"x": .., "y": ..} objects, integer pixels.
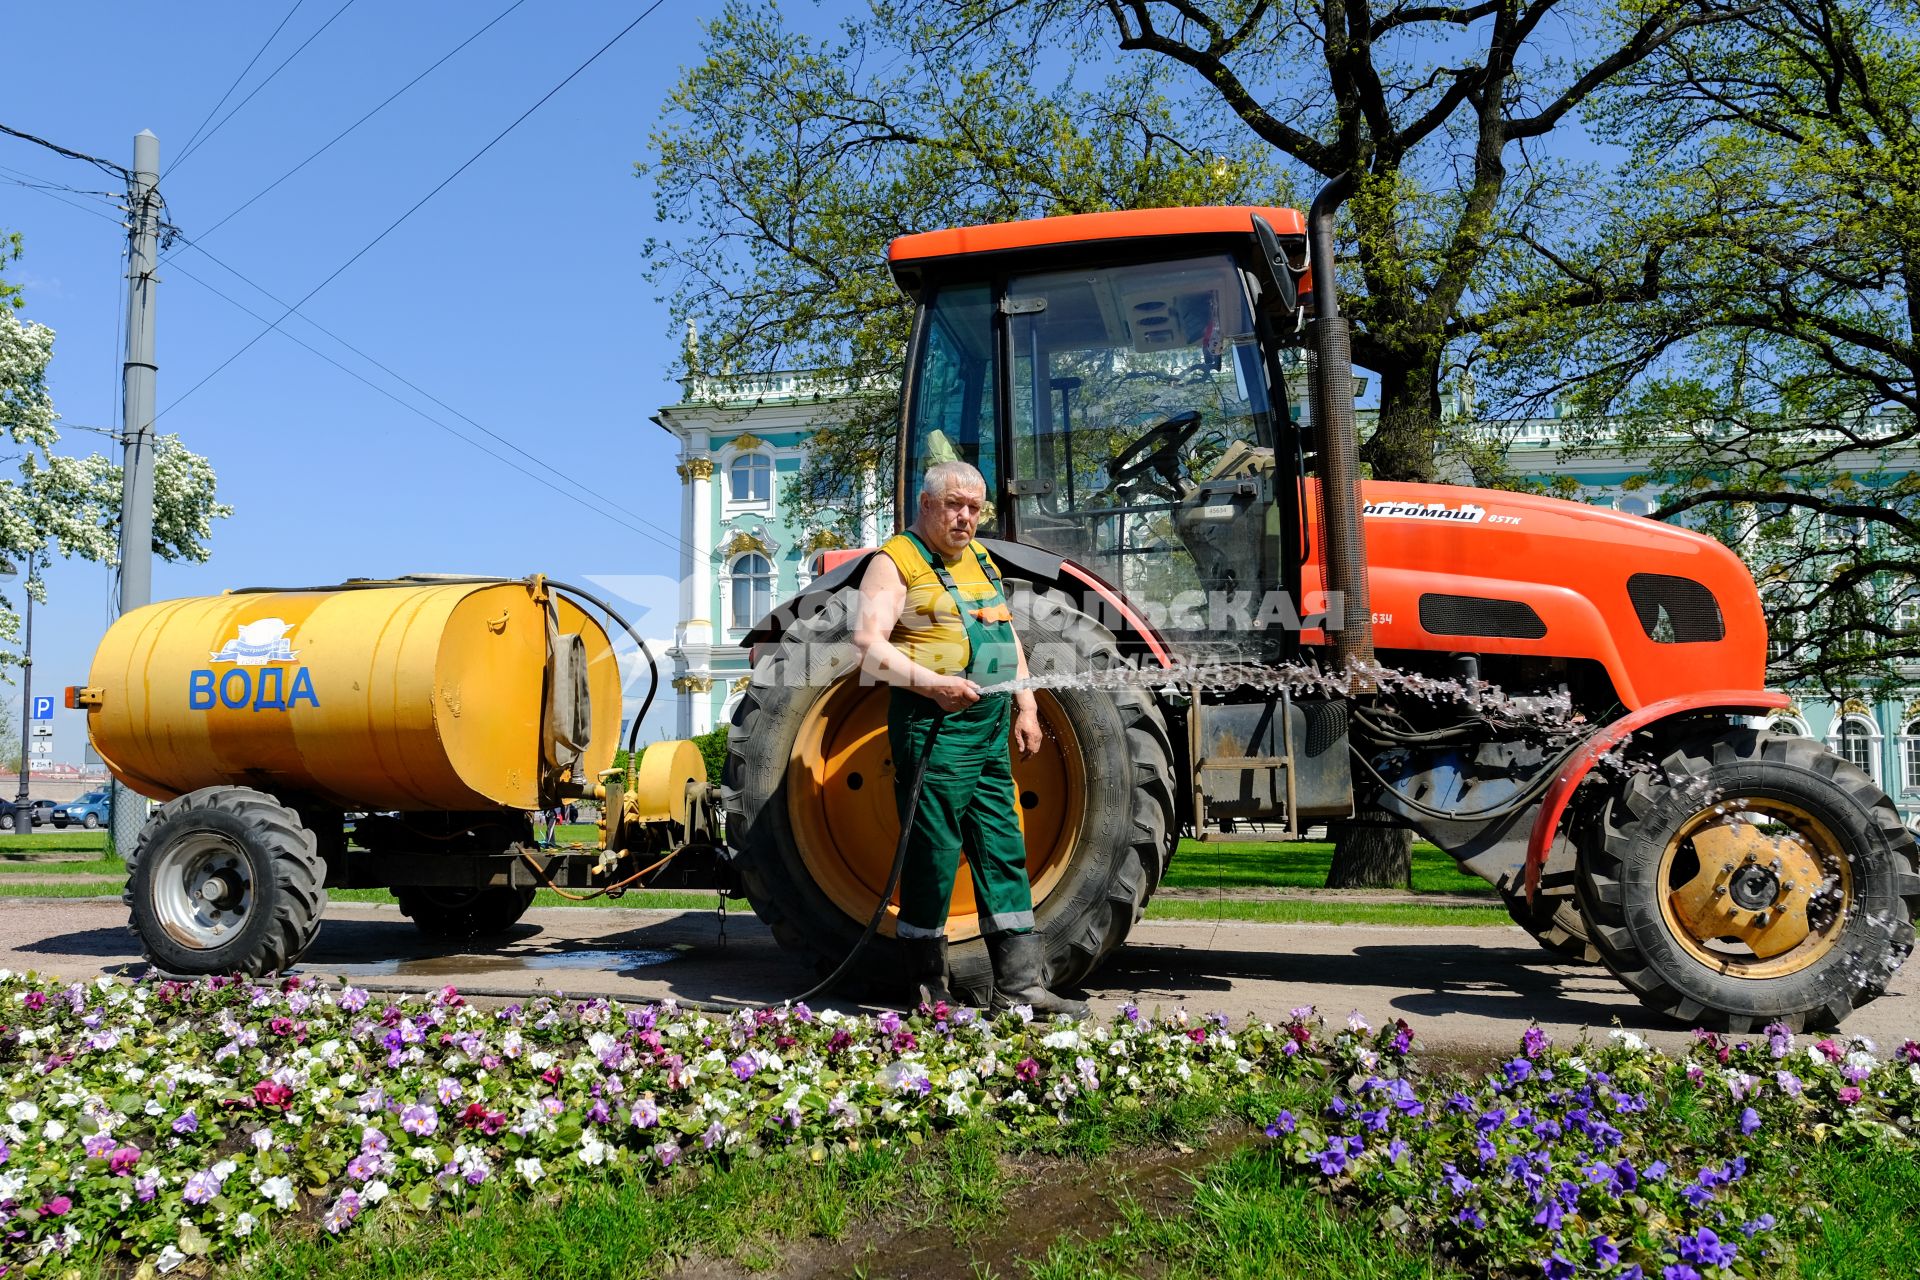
[{"x": 415, "y": 695}]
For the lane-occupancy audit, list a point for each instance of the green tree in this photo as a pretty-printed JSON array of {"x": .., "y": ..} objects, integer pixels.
[
  {"x": 59, "y": 504},
  {"x": 1756, "y": 349},
  {"x": 713, "y": 750},
  {"x": 790, "y": 160}
]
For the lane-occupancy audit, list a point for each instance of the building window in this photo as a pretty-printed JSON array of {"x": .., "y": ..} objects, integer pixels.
[
  {"x": 1788, "y": 727},
  {"x": 1910, "y": 756},
  {"x": 1857, "y": 742},
  {"x": 752, "y": 590},
  {"x": 750, "y": 478}
]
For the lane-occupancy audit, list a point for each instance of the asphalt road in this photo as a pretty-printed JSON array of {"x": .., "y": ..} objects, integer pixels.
[{"x": 1463, "y": 989}]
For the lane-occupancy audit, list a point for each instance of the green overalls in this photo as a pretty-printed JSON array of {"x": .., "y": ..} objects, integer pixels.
[{"x": 967, "y": 801}]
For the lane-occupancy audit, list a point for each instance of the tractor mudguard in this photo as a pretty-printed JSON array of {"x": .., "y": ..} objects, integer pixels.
[
  {"x": 1553, "y": 805},
  {"x": 1016, "y": 560}
]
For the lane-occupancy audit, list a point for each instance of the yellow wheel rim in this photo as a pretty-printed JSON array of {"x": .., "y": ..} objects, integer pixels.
[
  {"x": 840, "y": 801},
  {"x": 1755, "y": 888}
]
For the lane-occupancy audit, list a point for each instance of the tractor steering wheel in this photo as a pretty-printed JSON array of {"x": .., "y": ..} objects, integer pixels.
[{"x": 1154, "y": 449}]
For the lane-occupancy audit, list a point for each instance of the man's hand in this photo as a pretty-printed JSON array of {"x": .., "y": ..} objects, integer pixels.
[
  {"x": 953, "y": 693},
  {"x": 1026, "y": 731}
]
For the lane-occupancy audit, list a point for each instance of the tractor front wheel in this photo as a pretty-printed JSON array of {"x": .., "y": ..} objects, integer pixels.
[
  {"x": 1552, "y": 916},
  {"x": 1751, "y": 878},
  {"x": 811, "y": 812}
]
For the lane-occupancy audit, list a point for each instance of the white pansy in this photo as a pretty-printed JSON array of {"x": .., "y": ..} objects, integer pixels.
[
  {"x": 529, "y": 1168},
  {"x": 279, "y": 1192},
  {"x": 23, "y": 1112},
  {"x": 374, "y": 1192}
]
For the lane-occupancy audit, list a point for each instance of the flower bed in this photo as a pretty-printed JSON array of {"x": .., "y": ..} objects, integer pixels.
[
  {"x": 1607, "y": 1160},
  {"x": 164, "y": 1121},
  {"x": 178, "y": 1119}
]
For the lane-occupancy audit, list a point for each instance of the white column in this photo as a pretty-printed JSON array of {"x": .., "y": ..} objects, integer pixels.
[{"x": 702, "y": 606}]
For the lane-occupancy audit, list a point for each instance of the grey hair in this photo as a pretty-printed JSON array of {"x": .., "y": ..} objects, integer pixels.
[{"x": 942, "y": 476}]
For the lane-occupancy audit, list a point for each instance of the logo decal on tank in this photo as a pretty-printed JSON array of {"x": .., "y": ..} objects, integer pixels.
[
  {"x": 1465, "y": 513},
  {"x": 257, "y": 644}
]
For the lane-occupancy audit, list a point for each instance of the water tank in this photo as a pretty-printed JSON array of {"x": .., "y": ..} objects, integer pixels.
[{"x": 410, "y": 695}]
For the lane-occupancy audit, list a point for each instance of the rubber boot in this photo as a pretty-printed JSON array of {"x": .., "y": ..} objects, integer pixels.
[
  {"x": 1019, "y": 975},
  {"x": 927, "y": 966}
]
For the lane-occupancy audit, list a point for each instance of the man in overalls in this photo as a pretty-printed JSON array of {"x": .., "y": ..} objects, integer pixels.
[{"x": 934, "y": 625}]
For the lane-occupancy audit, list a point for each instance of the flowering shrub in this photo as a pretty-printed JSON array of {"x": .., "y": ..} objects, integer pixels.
[
  {"x": 176, "y": 1119},
  {"x": 1604, "y": 1160}
]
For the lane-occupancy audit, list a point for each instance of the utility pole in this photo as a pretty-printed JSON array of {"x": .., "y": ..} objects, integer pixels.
[
  {"x": 23, "y": 812},
  {"x": 136, "y": 424}
]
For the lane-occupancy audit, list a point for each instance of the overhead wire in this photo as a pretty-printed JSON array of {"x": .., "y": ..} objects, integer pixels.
[
  {"x": 108, "y": 166},
  {"x": 192, "y": 147},
  {"x": 673, "y": 540},
  {"x": 384, "y": 103},
  {"x": 355, "y": 374},
  {"x": 257, "y": 54},
  {"x": 414, "y": 208}
]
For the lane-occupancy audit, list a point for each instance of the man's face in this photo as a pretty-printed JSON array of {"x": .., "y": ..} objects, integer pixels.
[{"x": 951, "y": 518}]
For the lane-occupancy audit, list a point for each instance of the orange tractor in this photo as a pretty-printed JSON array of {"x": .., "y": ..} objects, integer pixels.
[
  {"x": 1125, "y": 381},
  {"x": 1229, "y": 626}
]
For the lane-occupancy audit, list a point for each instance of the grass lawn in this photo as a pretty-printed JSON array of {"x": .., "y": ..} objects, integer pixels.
[
  {"x": 1224, "y": 867},
  {"x": 1203, "y": 865},
  {"x": 51, "y": 840}
]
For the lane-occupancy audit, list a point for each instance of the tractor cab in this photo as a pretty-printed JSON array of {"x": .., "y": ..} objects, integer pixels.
[{"x": 1119, "y": 379}]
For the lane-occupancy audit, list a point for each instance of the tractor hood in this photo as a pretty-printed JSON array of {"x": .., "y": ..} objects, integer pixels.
[{"x": 1665, "y": 610}]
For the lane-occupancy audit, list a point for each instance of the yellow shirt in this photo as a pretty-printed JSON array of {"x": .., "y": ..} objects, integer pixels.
[{"x": 929, "y": 631}]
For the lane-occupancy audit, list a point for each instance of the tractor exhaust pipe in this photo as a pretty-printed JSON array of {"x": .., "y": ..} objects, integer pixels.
[{"x": 1344, "y": 537}]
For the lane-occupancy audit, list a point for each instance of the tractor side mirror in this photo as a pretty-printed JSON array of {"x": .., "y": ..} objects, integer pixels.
[{"x": 1276, "y": 266}]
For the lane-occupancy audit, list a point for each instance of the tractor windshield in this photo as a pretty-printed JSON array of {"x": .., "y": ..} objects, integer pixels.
[{"x": 1122, "y": 420}]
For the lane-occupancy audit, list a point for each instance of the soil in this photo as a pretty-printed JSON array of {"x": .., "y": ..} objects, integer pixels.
[{"x": 1052, "y": 1198}]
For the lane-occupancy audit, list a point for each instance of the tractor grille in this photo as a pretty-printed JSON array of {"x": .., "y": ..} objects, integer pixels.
[
  {"x": 1675, "y": 610},
  {"x": 1477, "y": 616}
]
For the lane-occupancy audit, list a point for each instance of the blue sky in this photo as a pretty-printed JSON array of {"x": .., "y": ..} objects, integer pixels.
[{"x": 517, "y": 295}]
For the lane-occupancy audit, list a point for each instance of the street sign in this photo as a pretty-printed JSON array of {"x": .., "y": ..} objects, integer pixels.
[
  {"x": 41, "y": 730},
  {"x": 40, "y": 747},
  {"x": 43, "y": 706}
]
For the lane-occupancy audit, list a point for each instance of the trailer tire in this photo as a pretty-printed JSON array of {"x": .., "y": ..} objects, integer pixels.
[
  {"x": 1553, "y": 916},
  {"x": 1113, "y": 814},
  {"x": 1670, "y": 835},
  {"x": 443, "y": 912},
  {"x": 261, "y": 866}
]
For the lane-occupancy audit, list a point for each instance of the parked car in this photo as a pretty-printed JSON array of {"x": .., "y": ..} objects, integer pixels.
[
  {"x": 42, "y": 811},
  {"x": 90, "y": 811}
]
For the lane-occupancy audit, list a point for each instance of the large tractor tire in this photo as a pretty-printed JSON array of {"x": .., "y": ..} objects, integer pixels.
[
  {"x": 811, "y": 813},
  {"x": 225, "y": 880},
  {"x": 464, "y": 913},
  {"x": 1751, "y": 878},
  {"x": 1553, "y": 915}
]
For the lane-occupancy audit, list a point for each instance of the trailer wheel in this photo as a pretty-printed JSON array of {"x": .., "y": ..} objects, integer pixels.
[
  {"x": 442, "y": 912},
  {"x": 1752, "y": 878},
  {"x": 1553, "y": 916},
  {"x": 810, "y": 802},
  {"x": 225, "y": 880}
]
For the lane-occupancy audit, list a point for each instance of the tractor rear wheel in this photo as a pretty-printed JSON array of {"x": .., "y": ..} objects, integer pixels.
[
  {"x": 225, "y": 880},
  {"x": 1553, "y": 916},
  {"x": 463, "y": 913},
  {"x": 811, "y": 813},
  {"x": 1751, "y": 878}
]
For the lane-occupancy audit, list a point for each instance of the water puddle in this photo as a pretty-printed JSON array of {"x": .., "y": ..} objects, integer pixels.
[{"x": 584, "y": 960}]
